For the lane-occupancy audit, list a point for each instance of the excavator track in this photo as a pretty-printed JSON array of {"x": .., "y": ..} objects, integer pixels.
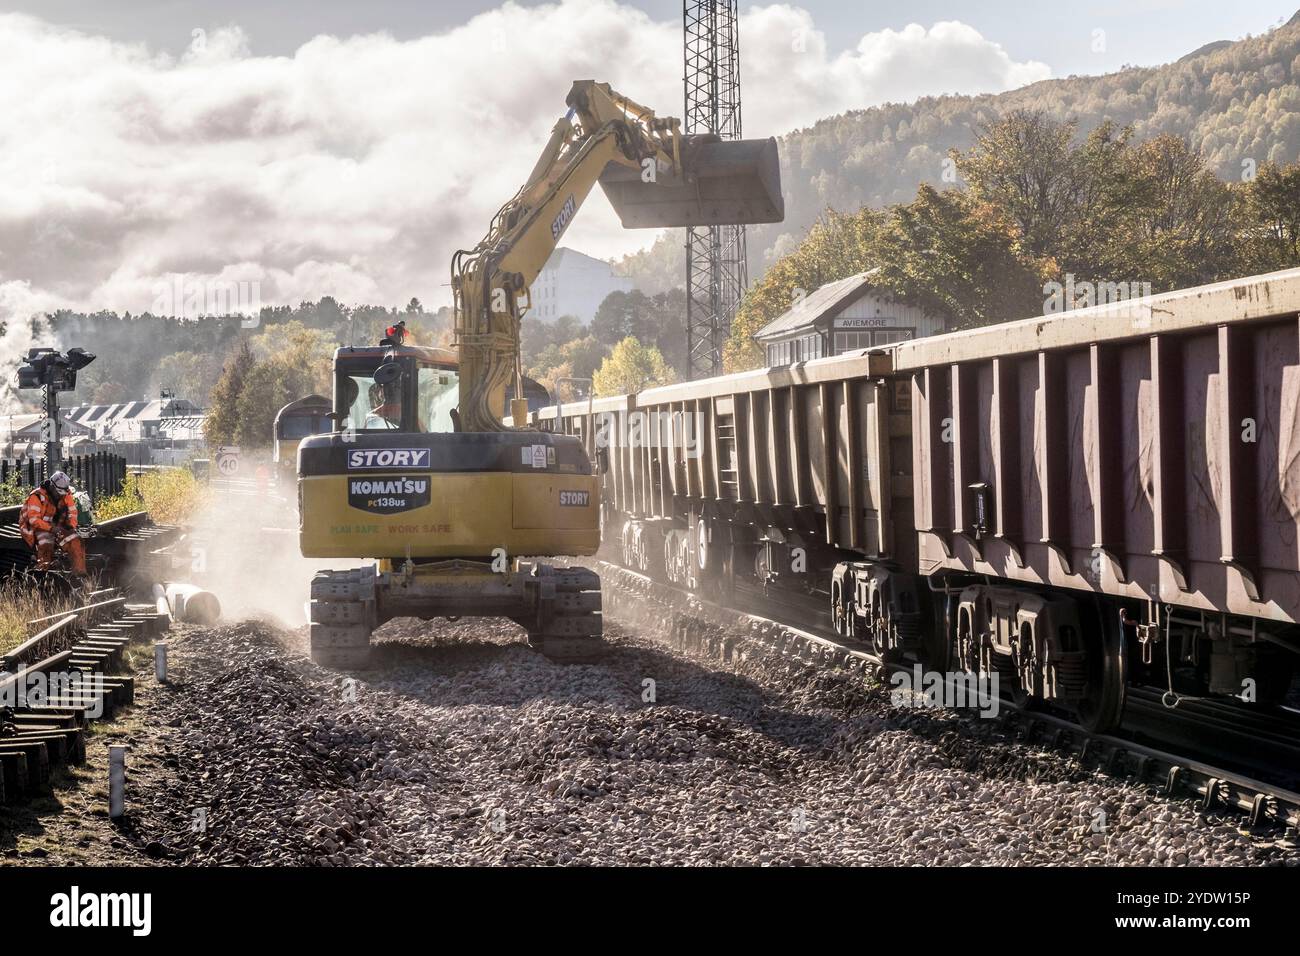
[
  {"x": 570, "y": 625},
  {"x": 563, "y": 619},
  {"x": 343, "y": 616}
]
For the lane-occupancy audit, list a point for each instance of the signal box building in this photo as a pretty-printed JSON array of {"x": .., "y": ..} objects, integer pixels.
[{"x": 842, "y": 316}]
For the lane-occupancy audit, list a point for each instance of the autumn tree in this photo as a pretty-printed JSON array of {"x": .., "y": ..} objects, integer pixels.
[
  {"x": 838, "y": 246},
  {"x": 1273, "y": 209},
  {"x": 1183, "y": 231},
  {"x": 632, "y": 367},
  {"x": 958, "y": 257},
  {"x": 223, "y": 408},
  {"x": 578, "y": 358},
  {"x": 1025, "y": 165},
  {"x": 268, "y": 387},
  {"x": 310, "y": 352}
]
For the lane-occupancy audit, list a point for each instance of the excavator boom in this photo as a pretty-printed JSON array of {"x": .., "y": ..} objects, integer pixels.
[{"x": 653, "y": 176}]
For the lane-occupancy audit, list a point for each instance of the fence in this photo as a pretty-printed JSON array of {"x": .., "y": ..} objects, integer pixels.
[{"x": 99, "y": 473}]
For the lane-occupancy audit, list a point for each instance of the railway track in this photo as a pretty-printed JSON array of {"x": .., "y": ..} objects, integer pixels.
[
  {"x": 1203, "y": 733},
  {"x": 127, "y": 546},
  {"x": 55, "y": 683}
]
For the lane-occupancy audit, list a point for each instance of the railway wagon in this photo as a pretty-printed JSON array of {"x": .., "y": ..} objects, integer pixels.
[{"x": 1076, "y": 503}]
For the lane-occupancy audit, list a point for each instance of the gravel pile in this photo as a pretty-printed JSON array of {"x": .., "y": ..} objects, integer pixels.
[{"x": 466, "y": 747}]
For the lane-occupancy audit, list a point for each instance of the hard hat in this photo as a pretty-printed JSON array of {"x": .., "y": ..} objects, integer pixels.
[{"x": 59, "y": 481}]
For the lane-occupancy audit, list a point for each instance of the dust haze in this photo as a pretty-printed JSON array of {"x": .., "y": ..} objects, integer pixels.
[{"x": 243, "y": 547}]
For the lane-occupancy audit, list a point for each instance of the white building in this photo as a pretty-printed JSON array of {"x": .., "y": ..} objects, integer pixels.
[
  {"x": 573, "y": 284},
  {"x": 842, "y": 316}
]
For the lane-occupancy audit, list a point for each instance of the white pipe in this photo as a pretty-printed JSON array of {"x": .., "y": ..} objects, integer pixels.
[{"x": 187, "y": 602}]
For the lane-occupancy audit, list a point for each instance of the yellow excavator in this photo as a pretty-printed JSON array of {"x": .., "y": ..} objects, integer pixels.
[{"x": 423, "y": 474}]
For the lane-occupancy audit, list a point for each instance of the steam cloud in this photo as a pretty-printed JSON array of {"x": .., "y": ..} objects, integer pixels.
[{"x": 21, "y": 328}]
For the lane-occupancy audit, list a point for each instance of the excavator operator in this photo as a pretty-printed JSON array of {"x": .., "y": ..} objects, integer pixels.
[
  {"x": 385, "y": 407},
  {"x": 49, "y": 522}
]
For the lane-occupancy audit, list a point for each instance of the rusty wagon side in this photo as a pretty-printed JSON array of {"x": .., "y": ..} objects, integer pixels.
[{"x": 1146, "y": 449}]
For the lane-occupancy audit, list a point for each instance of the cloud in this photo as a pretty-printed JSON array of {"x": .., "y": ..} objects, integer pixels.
[
  {"x": 21, "y": 328},
  {"x": 358, "y": 165}
]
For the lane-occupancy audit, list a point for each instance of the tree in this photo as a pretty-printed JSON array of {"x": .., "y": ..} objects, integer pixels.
[
  {"x": 632, "y": 367},
  {"x": 1273, "y": 209},
  {"x": 660, "y": 268},
  {"x": 188, "y": 374},
  {"x": 310, "y": 351},
  {"x": 535, "y": 336},
  {"x": 960, "y": 258},
  {"x": 110, "y": 393},
  {"x": 578, "y": 358},
  {"x": 223, "y": 408},
  {"x": 838, "y": 246},
  {"x": 584, "y": 356},
  {"x": 268, "y": 387},
  {"x": 659, "y": 320},
  {"x": 1024, "y": 164},
  {"x": 1185, "y": 231}
]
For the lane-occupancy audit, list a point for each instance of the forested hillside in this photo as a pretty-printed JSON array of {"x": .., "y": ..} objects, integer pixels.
[
  {"x": 1044, "y": 220},
  {"x": 1236, "y": 104}
]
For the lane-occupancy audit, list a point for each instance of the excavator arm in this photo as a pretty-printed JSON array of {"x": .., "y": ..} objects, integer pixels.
[{"x": 654, "y": 177}]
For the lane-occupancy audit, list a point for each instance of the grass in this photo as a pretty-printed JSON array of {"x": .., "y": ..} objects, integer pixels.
[
  {"x": 18, "y": 606},
  {"x": 11, "y": 492},
  {"x": 170, "y": 495}
]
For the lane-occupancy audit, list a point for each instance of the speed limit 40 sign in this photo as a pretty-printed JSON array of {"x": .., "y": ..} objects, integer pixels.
[{"x": 228, "y": 460}]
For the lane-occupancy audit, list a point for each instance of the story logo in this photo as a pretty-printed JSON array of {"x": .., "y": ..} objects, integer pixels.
[
  {"x": 75, "y": 909},
  {"x": 562, "y": 219},
  {"x": 362, "y": 458}
]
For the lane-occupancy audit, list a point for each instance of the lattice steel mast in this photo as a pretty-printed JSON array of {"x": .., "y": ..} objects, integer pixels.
[{"x": 715, "y": 255}]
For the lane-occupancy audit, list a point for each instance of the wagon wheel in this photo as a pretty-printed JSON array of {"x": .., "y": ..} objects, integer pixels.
[
  {"x": 1024, "y": 696},
  {"x": 1103, "y": 708}
]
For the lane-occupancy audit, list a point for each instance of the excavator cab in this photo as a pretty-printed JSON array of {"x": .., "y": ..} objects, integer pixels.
[
  {"x": 445, "y": 513},
  {"x": 397, "y": 389}
]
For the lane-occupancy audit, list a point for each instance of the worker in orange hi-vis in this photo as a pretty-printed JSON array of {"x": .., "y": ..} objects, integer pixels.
[{"x": 49, "y": 522}]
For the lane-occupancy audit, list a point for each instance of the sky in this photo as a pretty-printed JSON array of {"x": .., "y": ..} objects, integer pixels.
[{"x": 344, "y": 148}]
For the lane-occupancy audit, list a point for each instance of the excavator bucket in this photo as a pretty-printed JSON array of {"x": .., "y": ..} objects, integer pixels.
[{"x": 735, "y": 182}]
